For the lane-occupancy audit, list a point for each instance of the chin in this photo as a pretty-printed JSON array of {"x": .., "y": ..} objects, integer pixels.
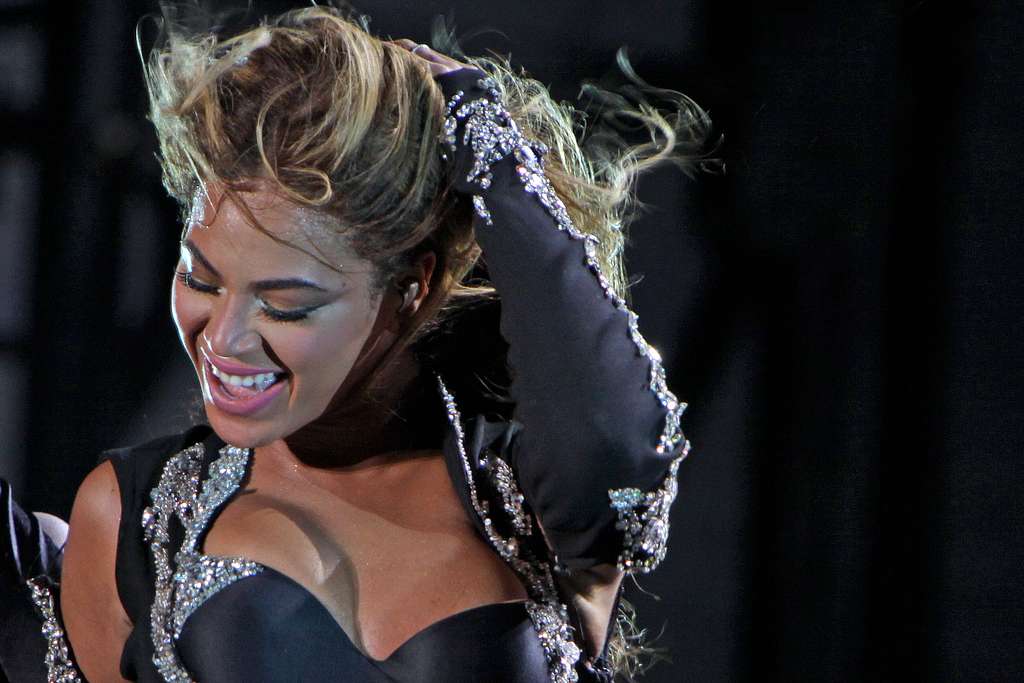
[
  {"x": 246, "y": 417},
  {"x": 244, "y": 432}
]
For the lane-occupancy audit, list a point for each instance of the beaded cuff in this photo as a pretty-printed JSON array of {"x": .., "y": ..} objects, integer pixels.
[{"x": 643, "y": 520}]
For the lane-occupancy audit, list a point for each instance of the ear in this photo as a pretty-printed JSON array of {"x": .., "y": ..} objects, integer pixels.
[{"x": 414, "y": 283}]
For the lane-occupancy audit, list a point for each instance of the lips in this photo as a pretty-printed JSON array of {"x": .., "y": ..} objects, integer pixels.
[
  {"x": 239, "y": 390},
  {"x": 258, "y": 382}
]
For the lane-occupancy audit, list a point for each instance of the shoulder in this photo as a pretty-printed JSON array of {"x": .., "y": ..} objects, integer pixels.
[
  {"x": 136, "y": 466},
  {"x": 101, "y": 546},
  {"x": 95, "y": 621},
  {"x": 98, "y": 501},
  {"x": 101, "y": 551}
]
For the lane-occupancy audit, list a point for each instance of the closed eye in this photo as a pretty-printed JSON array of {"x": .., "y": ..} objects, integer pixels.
[
  {"x": 285, "y": 316},
  {"x": 186, "y": 278},
  {"x": 266, "y": 310}
]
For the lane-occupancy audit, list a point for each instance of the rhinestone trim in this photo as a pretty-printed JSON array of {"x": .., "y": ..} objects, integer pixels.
[
  {"x": 481, "y": 209},
  {"x": 196, "y": 577},
  {"x": 504, "y": 481},
  {"x": 551, "y": 620},
  {"x": 549, "y": 615},
  {"x": 643, "y": 520},
  {"x": 492, "y": 135},
  {"x": 60, "y": 667}
]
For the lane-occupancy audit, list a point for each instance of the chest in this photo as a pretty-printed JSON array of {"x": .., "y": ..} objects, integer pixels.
[{"x": 387, "y": 551}]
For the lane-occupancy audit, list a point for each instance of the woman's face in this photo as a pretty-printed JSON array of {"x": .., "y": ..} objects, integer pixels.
[{"x": 272, "y": 332}]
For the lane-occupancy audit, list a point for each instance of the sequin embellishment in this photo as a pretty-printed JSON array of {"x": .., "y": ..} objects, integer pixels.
[
  {"x": 195, "y": 576},
  {"x": 492, "y": 135},
  {"x": 60, "y": 668},
  {"x": 643, "y": 519},
  {"x": 549, "y": 616},
  {"x": 504, "y": 481}
]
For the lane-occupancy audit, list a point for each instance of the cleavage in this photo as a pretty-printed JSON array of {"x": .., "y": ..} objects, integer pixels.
[{"x": 384, "y": 539}]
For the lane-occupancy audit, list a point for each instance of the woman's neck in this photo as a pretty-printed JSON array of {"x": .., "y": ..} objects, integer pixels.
[{"x": 369, "y": 429}]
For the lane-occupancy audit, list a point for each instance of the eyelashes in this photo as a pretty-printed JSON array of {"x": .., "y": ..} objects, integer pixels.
[
  {"x": 266, "y": 310},
  {"x": 281, "y": 316},
  {"x": 185, "y": 278}
]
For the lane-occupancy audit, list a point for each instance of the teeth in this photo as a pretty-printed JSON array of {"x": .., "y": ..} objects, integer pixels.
[{"x": 260, "y": 381}]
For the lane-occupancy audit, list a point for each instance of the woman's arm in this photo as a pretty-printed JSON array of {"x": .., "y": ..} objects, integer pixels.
[
  {"x": 96, "y": 622},
  {"x": 600, "y": 442},
  {"x": 600, "y": 445}
]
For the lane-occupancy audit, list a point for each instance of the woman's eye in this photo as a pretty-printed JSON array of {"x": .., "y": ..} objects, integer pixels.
[
  {"x": 285, "y": 316},
  {"x": 266, "y": 310},
  {"x": 186, "y": 278}
]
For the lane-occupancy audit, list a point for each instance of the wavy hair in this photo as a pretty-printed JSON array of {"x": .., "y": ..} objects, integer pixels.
[{"x": 344, "y": 123}]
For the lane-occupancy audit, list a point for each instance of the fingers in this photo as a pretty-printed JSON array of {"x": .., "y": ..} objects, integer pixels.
[{"x": 436, "y": 62}]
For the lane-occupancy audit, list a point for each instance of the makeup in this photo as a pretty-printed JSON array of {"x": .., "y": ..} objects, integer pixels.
[{"x": 242, "y": 394}]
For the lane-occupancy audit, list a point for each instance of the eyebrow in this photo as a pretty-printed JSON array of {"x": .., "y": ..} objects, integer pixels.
[
  {"x": 198, "y": 255},
  {"x": 260, "y": 285},
  {"x": 286, "y": 283}
]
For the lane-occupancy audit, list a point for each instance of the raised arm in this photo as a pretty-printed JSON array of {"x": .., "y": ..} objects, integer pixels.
[{"x": 600, "y": 444}]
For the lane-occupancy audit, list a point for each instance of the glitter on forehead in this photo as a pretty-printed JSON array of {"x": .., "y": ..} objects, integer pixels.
[
  {"x": 320, "y": 228},
  {"x": 311, "y": 230},
  {"x": 198, "y": 210},
  {"x": 314, "y": 223}
]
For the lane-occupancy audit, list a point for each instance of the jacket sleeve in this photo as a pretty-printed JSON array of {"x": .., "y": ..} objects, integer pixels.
[
  {"x": 600, "y": 443},
  {"x": 32, "y": 643}
]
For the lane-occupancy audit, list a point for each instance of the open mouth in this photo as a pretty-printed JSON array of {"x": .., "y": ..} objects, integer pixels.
[
  {"x": 242, "y": 385},
  {"x": 242, "y": 394}
]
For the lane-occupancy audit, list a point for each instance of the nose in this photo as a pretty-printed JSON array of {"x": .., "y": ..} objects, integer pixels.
[{"x": 229, "y": 333}]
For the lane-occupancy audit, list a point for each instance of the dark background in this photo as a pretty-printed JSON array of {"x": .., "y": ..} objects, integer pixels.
[{"x": 841, "y": 309}]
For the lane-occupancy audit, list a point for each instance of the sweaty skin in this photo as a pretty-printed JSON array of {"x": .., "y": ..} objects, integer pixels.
[
  {"x": 403, "y": 540},
  {"x": 367, "y": 530}
]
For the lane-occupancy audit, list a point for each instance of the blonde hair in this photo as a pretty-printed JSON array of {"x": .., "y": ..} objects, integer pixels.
[{"x": 337, "y": 120}]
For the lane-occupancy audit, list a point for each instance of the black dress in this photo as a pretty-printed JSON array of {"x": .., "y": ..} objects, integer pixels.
[{"x": 591, "y": 454}]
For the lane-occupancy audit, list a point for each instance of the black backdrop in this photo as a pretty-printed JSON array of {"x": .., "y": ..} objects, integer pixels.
[{"x": 841, "y": 309}]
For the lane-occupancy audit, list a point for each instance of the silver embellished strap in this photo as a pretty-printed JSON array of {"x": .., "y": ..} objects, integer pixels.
[
  {"x": 60, "y": 667},
  {"x": 200, "y": 577},
  {"x": 171, "y": 496},
  {"x": 196, "y": 577},
  {"x": 549, "y": 615}
]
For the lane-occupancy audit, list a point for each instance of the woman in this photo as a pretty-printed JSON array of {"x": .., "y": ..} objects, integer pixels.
[{"x": 359, "y": 508}]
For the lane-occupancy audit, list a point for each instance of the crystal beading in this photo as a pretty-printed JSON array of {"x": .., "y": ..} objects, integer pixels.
[
  {"x": 492, "y": 134},
  {"x": 643, "y": 519},
  {"x": 504, "y": 481},
  {"x": 481, "y": 210},
  {"x": 549, "y": 615},
  {"x": 60, "y": 667},
  {"x": 195, "y": 576}
]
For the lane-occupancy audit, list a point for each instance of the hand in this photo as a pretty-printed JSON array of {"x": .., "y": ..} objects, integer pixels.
[
  {"x": 26, "y": 549},
  {"x": 437, "y": 63}
]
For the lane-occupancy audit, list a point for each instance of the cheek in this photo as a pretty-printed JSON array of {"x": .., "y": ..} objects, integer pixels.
[
  {"x": 190, "y": 313},
  {"x": 320, "y": 355}
]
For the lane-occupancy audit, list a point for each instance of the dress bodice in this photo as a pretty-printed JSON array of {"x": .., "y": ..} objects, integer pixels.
[{"x": 215, "y": 618}]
